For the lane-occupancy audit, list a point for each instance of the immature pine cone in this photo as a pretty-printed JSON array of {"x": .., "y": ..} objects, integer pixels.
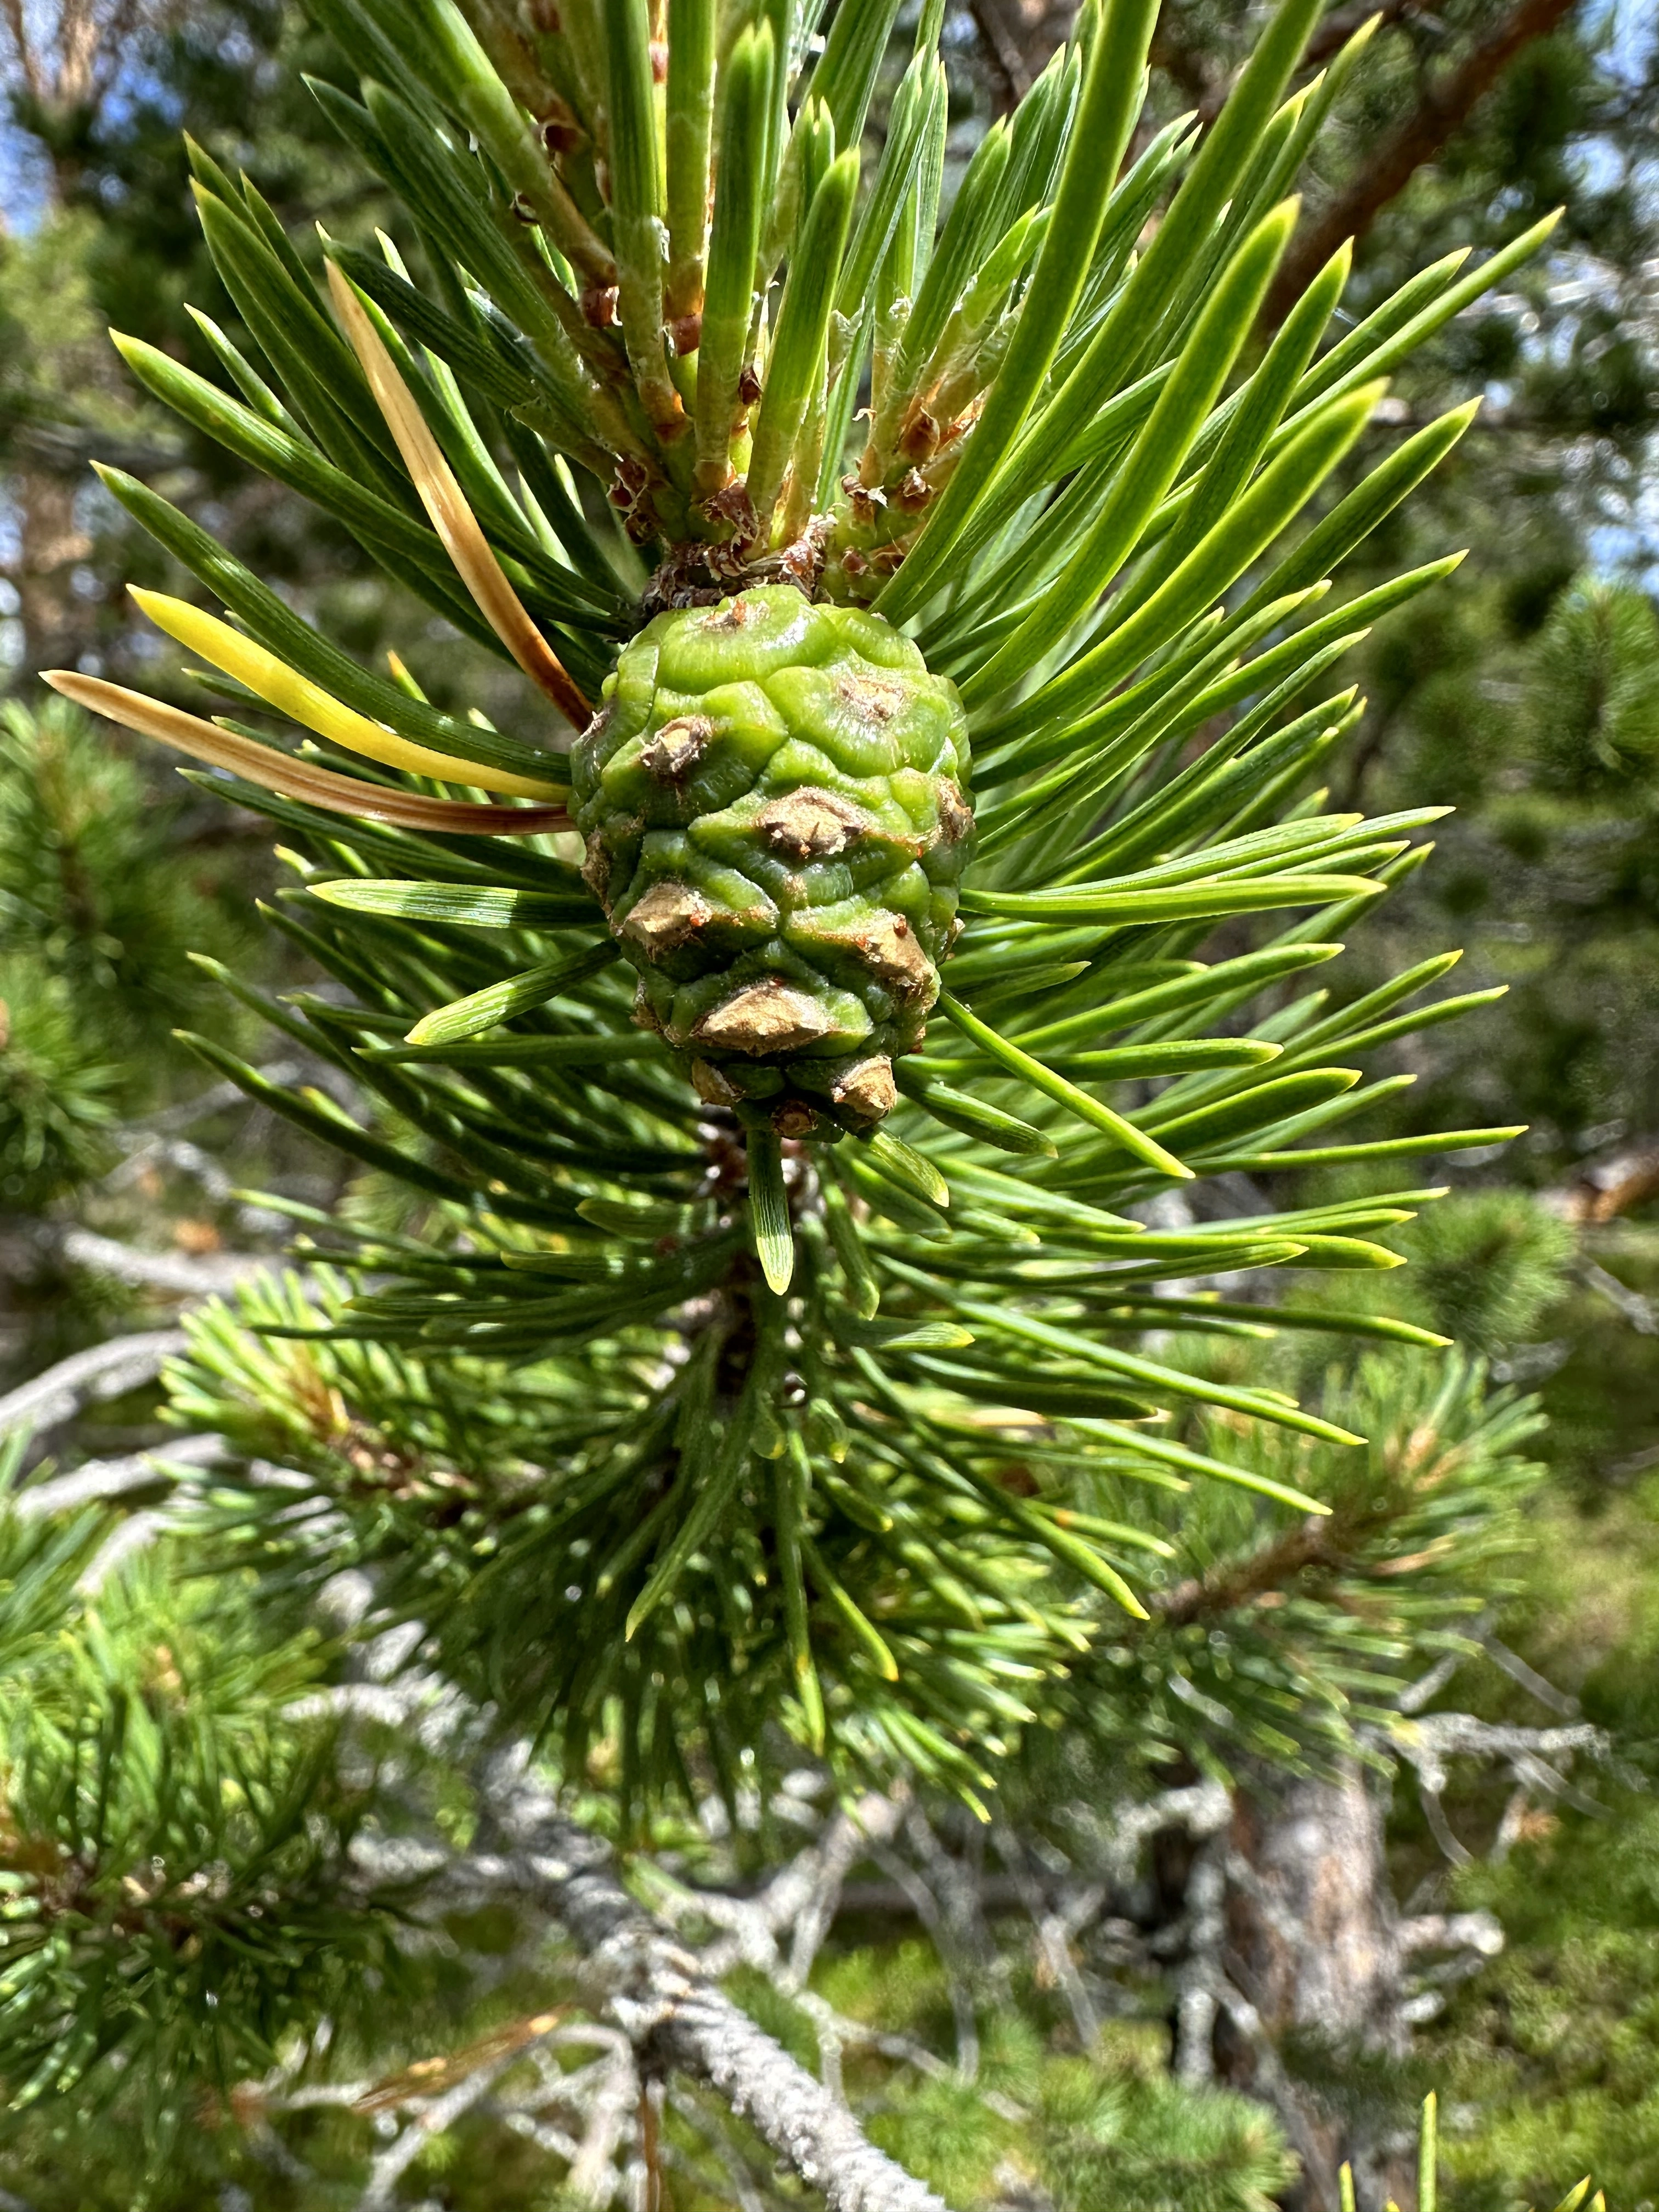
[{"x": 774, "y": 799}]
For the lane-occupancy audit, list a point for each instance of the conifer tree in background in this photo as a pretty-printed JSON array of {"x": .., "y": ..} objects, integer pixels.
[{"x": 787, "y": 1348}]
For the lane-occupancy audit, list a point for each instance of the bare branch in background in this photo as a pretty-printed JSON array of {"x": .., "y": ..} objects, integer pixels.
[
  {"x": 105, "y": 1371},
  {"x": 1333, "y": 31},
  {"x": 99, "y": 1481},
  {"x": 175, "y": 1274},
  {"x": 647, "y": 1985},
  {"x": 1609, "y": 1187},
  {"x": 66, "y": 57},
  {"x": 1020, "y": 37},
  {"x": 1446, "y": 105}
]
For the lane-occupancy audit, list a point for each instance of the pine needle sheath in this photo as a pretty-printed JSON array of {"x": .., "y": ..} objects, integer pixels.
[{"x": 786, "y": 1129}]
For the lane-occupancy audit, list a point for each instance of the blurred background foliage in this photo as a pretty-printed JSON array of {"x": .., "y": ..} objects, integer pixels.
[{"x": 1525, "y": 692}]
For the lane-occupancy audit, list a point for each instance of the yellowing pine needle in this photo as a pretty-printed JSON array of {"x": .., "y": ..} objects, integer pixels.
[
  {"x": 308, "y": 703},
  {"x": 428, "y": 2077},
  {"x": 451, "y": 518},
  {"x": 296, "y": 779}
]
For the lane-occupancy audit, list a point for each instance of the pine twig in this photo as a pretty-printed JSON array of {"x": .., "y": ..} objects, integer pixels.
[
  {"x": 389, "y": 2168},
  {"x": 849, "y": 1838},
  {"x": 591, "y": 2177},
  {"x": 799, "y": 1901}
]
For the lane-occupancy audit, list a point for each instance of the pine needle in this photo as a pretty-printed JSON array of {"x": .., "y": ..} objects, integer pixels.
[
  {"x": 294, "y": 779},
  {"x": 308, "y": 703},
  {"x": 769, "y": 1209},
  {"x": 451, "y": 518}
]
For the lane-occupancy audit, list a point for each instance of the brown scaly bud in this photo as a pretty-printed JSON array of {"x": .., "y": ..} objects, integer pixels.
[
  {"x": 749, "y": 386},
  {"x": 733, "y": 506},
  {"x": 914, "y": 492},
  {"x": 686, "y": 333},
  {"x": 866, "y": 499},
  {"x": 768, "y": 1017},
  {"x": 600, "y": 305},
  {"x": 558, "y": 129},
  {"x": 677, "y": 747},
  {"x": 658, "y": 61},
  {"x": 853, "y": 561},
  {"x": 811, "y": 824},
  {"x": 801, "y": 563},
  {"x": 955, "y": 819},
  {"x": 919, "y": 439},
  {"x": 887, "y": 947},
  {"x": 955, "y": 428},
  {"x": 711, "y": 1086},
  {"x": 669, "y": 915},
  {"x": 735, "y": 614}
]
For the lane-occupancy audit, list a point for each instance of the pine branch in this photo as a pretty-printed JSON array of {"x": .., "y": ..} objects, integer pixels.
[
  {"x": 1019, "y": 41},
  {"x": 1444, "y": 107},
  {"x": 1603, "y": 1191},
  {"x": 1336, "y": 28},
  {"x": 617, "y": 1088},
  {"x": 434, "y": 2117},
  {"x": 1207, "y": 88},
  {"x": 800, "y": 1901},
  {"x": 1529, "y": 1753},
  {"x": 1535, "y": 1685},
  {"x": 1479, "y": 1934}
]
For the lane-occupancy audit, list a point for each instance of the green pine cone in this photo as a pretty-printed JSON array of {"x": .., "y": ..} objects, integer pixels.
[{"x": 775, "y": 798}]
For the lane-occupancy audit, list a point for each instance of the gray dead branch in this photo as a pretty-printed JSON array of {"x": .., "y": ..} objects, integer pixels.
[{"x": 102, "y": 1371}]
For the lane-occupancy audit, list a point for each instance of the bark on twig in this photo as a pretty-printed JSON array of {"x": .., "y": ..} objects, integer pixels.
[
  {"x": 1334, "y": 30},
  {"x": 1313, "y": 1944},
  {"x": 176, "y": 1275},
  {"x": 657, "y": 1993},
  {"x": 803, "y": 1897},
  {"x": 1235, "y": 1582},
  {"x": 1610, "y": 1187}
]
